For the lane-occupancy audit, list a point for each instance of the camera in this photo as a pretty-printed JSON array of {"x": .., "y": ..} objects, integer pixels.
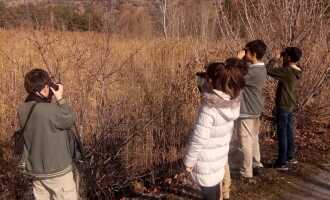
[{"x": 53, "y": 85}]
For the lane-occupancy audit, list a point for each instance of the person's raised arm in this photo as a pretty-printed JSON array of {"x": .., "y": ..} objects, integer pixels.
[
  {"x": 64, "y": 117},
  {"x": 273, "y": 67}
]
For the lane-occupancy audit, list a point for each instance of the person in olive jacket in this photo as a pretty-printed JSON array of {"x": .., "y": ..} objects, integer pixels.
[
  {"x": 46, "y": 156},
  {"x": 285, "y": 102}
]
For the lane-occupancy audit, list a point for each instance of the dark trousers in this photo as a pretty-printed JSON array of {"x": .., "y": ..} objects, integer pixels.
[
  {"x": 285, "y": 135},
  {"x": 211, "y": 193}
]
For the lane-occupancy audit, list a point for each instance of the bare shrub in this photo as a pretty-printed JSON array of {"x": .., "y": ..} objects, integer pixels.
[
  {"x": 136, "y": 99},
  {"x": 285, "y": 23}
]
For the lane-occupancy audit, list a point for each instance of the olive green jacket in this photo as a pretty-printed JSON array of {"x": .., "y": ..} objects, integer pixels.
[
  {"x": 46, "y": 151},
  {"x": 287, "y": 80}
]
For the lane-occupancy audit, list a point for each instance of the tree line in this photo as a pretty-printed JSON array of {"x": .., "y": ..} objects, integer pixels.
[{"x": 66, "y": 17}]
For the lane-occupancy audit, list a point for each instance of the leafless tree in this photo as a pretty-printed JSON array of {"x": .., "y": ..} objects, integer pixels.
[{"x": 283, "y": 23}]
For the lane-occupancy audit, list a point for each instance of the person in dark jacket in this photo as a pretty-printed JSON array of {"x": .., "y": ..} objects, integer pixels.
[
  {"x": 47, "y": 158},
  {"x": 285, "y": 102}
]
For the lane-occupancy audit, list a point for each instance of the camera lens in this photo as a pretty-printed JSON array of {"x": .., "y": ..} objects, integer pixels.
[{"x": 53, "y": 85}]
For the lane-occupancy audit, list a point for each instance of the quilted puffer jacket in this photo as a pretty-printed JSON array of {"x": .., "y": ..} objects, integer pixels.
[{"x": 208, "y": 149}]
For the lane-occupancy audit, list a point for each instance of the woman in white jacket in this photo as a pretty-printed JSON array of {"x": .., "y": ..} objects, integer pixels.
[{"x": 207, "y": 154}]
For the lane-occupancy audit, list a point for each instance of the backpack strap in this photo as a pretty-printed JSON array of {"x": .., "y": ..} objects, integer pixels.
[
  {"x": 18, "y": 137},
  {"x": 28, "y": 117}
]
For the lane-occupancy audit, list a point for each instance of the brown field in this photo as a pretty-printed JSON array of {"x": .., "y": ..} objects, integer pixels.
[
  {"x": 136, "y": 99},
  {"x": 133, "y": 89}
]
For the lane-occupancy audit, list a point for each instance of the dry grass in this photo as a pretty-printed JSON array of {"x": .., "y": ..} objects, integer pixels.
[{"x": 135, "y": 100}]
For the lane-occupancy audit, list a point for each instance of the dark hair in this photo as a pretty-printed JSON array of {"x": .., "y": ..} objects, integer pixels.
[
  {"x": 35, "y": 80},
  {"x": 293, "y": 52},
  {"x": 229, "y": 76},
  {"x": 214, "y": 70},
  {"x": 258, "y": 47}
]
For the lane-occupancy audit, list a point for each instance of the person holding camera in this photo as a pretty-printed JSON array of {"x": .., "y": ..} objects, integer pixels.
[
  {"x": 207, "y": 154},
  {"x": 285, "y": 102},
  {"x": 46, "y": 155}
]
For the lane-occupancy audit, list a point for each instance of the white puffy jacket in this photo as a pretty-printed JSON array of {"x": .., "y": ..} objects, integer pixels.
[{"x": 208, "y": 149}]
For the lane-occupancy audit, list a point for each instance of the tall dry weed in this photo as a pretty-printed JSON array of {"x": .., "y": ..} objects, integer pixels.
[{"x": 135, "y": 100}]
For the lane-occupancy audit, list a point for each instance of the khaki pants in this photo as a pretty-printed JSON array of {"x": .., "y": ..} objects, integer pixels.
[
  {"x": 58, "y": 188},
  {"x": 248, "y": 132},
  {"x": 226, "y": 183}
]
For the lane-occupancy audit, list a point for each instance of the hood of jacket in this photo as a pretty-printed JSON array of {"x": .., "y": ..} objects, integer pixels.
[
  {"x": 222, "y": 102},
  {"x": 296, "y": 70}
]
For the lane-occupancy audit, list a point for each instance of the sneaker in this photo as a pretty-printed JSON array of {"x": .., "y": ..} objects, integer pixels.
[
  {"x": 293, "y": 161},
  {"x": 281, "y": 167},
  {"x": 257, "y": 171}
]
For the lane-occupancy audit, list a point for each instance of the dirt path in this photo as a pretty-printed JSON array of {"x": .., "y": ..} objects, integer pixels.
[
  {"x": 314, "y": 186},
  {"x": 304, "y": 182},
  {"x": 308, "y": 180}
]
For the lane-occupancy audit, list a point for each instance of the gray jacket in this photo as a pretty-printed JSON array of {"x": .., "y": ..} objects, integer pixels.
[
  {"x": 252, "y": 101},
  {"x": 46, "y": 152}
]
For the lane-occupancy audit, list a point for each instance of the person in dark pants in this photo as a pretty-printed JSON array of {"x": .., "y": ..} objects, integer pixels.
[
  {"x": 211, "y": 193},
  {"x": 287, "y": 77}
]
